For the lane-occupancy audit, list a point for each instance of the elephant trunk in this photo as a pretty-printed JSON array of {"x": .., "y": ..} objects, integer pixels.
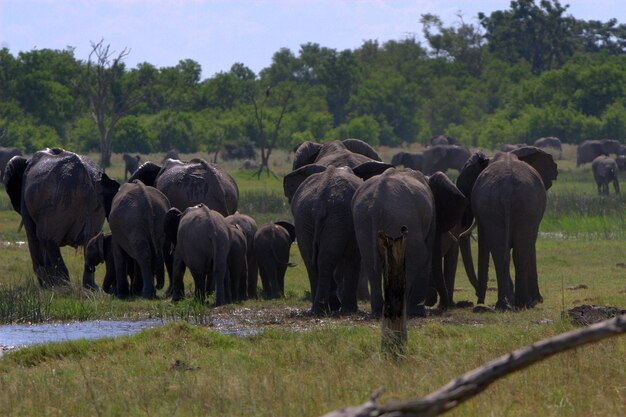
[
  {"x": 466, "y": 233},
  {"x": 89, "y": 280}
]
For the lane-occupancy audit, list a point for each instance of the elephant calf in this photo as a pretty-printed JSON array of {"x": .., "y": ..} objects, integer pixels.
[
  {"x": 605, "y": 170},
  {"x": 99, "y": 250},
  {"x": 271, "y": 246}
]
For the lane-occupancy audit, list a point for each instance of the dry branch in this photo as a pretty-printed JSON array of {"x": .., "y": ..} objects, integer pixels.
[{"x": 475, "y": 381}]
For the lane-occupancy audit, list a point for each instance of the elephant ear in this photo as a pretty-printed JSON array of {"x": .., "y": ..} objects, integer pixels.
[
  {"x": 370, "y": 169},
  {"x": 470, "y": 172},
  {"x": 147, "y": 173},
  {"x": 290, "y": 228},
  {"x": 109, "y": 189},
  {"x": 360, "y": 147},
  {"x": 94, "y": 250},
  {"x": 450, "y": 203},
  {"x": 542, "y": 161},
  {"x": 306, "y": 154},
  {"x": 397, "y": 159},
  {"x": 172, "y": 219},
  {"x": 292, "y": 181},
  {"x": 13, "y": 175}
]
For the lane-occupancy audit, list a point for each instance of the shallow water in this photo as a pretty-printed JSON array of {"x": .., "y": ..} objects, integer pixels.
[{"x": 13, "y": 336}]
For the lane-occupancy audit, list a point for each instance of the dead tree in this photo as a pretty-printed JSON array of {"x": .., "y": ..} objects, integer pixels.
[
  {"x": 473, "y": 382},
  {"x": 109, "y": 98},
  {"x": 394, "y": 327}
]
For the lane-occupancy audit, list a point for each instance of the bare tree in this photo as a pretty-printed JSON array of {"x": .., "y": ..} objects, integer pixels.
[
  {"x": 262, "y": 117},
  {"x": 109, "y": 96}
]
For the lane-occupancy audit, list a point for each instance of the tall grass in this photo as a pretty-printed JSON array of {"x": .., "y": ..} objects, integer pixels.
[{"x": 24, "y": 302}]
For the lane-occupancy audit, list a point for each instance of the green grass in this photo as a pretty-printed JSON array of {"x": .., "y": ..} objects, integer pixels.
[{"x": 300, "y": 365}]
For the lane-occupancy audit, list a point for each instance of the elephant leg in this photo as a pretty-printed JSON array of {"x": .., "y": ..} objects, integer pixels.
[
  {"x": 350, "y": 281},
  {"x": 280, "y": 277},
  {"x": 159, "y": 270},
  {"x": 328, "y": 259},
  {"x": 122, "y": 289},
  {"x": 370, "y": 270},
  {"x": 500, "y": 252},
  {"x": 483, "y": 267},
  {"x": 147, "y": 275},
  {"x": 55, "y": 272},
  {"x": 418, "y": 264},
  {"x": 168, "y": 257},
  {"x": 178, "y": 272},
  {"x": 136, "y": 279},
  {"x": 305, "y": 246},
  {"x": 465, "y": 246},
  {"x": 199, "y": 282},
  {"x": 221, "y": 276},
  {"x": 526, "y": 279},
  {"x": 616, "y": 185}
]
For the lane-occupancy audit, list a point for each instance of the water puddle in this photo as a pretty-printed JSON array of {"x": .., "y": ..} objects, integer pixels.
[{"x": 14, "y": 336}]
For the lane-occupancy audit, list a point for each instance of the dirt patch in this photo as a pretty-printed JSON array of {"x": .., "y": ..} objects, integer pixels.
[
  {"x": 578, "y": 287},
  {"x": 588, "y": 314}
]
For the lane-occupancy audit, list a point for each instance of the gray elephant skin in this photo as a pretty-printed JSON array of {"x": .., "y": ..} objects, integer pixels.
[
  {"x": 6, "y": 153},
  {"x": 271, "y": 246},
  {"x": 131, "y": 163},
  {"x": 433, "y": 159},
  {"x": 508, "y": 199},
  {"x": 247, "y": 287},
  {"x": 347, "y": 152},
  {"x": 137, "y": 222},
  {"x": 237, "y": 264},
  {"x": 588, "y": 150},
  {"x": 605, "y": 171},
  {"x": 442, "y": 140},
  {"x": 202, "y": 241},
  {"x": 427, "y": 207},
  {"x": 550, "y": 142},
  {"x": 63, "y": 199},
  {"x": 321, "y": 199},
  {"x": 99, "y": 250}
]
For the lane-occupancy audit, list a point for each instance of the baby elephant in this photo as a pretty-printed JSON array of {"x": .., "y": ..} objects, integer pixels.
[
  {"x": 98, "y": 250},
  {"x": 604, "y": 171},
  {"x": 271, "y": 247}
]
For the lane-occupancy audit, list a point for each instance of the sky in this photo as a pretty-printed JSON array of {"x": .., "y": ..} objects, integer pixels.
[{"x": 219, "y": 33}]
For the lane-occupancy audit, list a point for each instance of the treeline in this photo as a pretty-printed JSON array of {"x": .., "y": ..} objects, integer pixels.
[{"x": 518, "y": 74}]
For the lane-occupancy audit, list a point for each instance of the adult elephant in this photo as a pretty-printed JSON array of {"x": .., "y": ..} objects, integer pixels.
[
  {"x": 6, "y": 153},
  {"x": 433, "y": 159},
  {"x": 271, "y": 246},
  {"x": 63, "y": 199},
  {"x": 428, "y": 207},
  {"x": 131, "y": 163},
  {"x": 605, "y": 170},
  {"x": 187, "y": 184},
  {"x": 508, "y": 198},
  {"x": 347, "y": 152},
  {"x": 137, "y": 222},
  {"x": 247, "y": 287},
  {"x": 550, "y": 142},
  {"x": 321, "y": 199},
  {"x": 588, "y": 150},
  {"x": 201, "y": 239}
]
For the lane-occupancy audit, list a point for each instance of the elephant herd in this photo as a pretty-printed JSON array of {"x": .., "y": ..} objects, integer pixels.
[{"x": 183, "y": 215}]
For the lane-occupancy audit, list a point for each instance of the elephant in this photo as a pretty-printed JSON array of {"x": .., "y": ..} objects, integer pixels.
[
  {"x": 271, "y": 247},
  {"x": 171, "y": 154},
  {"x": 6, "y": 153},
  {"x": 237, "y": 264},
  {"x": 348, "y": 152},
  {"x": 63, "y": 199},
  {"x": 433, "y": 159},
  {"x": 248, "y": 287},
  {"x": 137, "y": 222},
  {"x": 620, "y": 160},
  {"x": 427, "y": 207},
  {"x": 201, "y": 239},
  {"x": 442, "y": 140},
  {"x": 321, "y": 199},
  {"x": 605, "y": 170},
  {"x": 588, "y": 150},
  {"x": 507, "y": 199},
  {"x": 131, "y": 164},
  {"x": 99, "y": 249},
  {"x": 550, "y": 142},
  {"x": 511, "y": 147}
]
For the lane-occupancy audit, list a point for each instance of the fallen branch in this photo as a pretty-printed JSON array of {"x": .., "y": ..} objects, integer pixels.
[{"x": 473, "y": 382}]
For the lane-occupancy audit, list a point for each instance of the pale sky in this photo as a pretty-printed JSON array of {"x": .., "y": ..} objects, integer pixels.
[{"x": 219, "y": 33}]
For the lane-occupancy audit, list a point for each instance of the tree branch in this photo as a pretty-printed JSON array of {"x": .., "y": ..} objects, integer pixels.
[{"x": 473, "y": 382}]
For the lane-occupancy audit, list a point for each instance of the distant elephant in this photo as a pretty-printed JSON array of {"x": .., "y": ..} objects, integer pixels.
[
  {"x": 131, "y": 164},
  {"x": 620, "y": 160},
  {"x": 550, "y": 142},
  {"x": 511, "y": 147},
  {"x": 321, "y": 199},
  {"x": 248, "y": 287},
  {"x": 63, "y": 199},
  {"x": 237, "y": 264},
  {"x": 171, "y": 154},
  {"x": 508, "y": 198},
  {"x": 5, "y": 156},
  {"x": 347, "y": 152},
  {"x": 99, "y": 249},
  {"x": 427, "y": 207},
  {"x": 588, "y": 150},
  {"x": 605, "y": 170},
  {"x": 271, "y": 247},
  {"x": 201, "y": 239},
  {"x": 187, "y": 184},
  {"x": 137, "y": 222},
  {"x": 433, "y": 159},
  {"x": 442, "y": 140}
]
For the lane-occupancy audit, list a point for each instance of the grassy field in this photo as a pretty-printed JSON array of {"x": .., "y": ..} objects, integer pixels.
[{"x": 292, "y": 364}]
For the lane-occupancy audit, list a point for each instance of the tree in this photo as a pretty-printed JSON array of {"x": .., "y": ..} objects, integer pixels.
[{"x": 110, "y": 95}]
